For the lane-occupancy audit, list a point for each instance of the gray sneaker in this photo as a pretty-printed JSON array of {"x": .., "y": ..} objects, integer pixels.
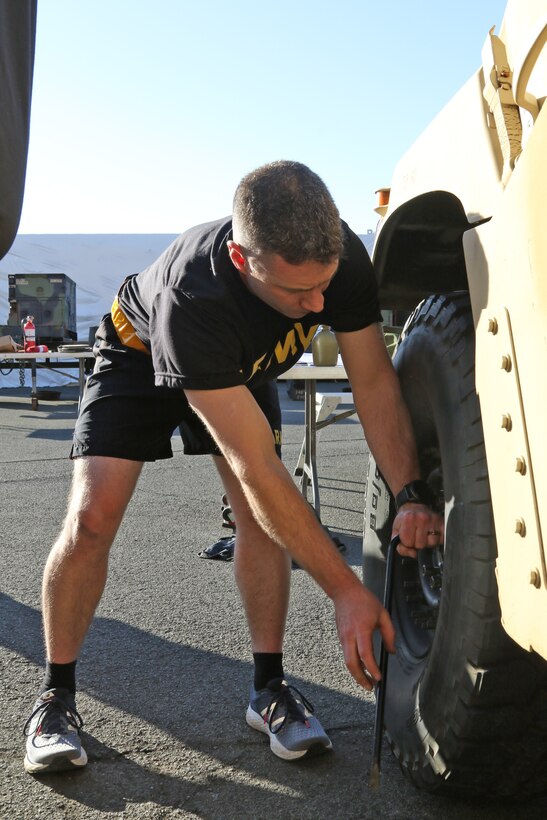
[
  {"x": 53, "y": 736},
  {"x": 285, "y": 715}
]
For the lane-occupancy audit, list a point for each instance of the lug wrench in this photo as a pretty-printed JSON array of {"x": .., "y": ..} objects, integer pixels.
[{"x": 374, "y": 780}]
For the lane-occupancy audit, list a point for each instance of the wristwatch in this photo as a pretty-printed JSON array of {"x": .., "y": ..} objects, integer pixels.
[{"x": 416, "y": 492}]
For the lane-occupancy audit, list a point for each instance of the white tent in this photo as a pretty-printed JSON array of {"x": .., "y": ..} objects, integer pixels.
[{"x": 97, "y": 263}]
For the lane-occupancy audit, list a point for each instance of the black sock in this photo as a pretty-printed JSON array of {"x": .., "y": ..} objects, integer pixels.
[
  {"x": 268, "y": 665},
  {"x": 60, "y": 676}
]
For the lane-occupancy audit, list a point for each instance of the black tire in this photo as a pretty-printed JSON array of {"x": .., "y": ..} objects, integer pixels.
[{"x": 466, "y": 707}]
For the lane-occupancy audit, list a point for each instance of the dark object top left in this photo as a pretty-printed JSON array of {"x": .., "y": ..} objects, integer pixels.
[{"x": 17, "y": 44}]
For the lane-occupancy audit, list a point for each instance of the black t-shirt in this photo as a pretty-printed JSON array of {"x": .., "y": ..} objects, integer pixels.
[{"x": 206, "y": 330}]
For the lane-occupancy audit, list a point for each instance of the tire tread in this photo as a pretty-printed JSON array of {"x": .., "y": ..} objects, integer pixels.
[{"x": 490, "y": 717}]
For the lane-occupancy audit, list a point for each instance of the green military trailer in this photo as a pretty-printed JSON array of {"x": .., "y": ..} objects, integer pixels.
[{"x": 50, "y": 298}]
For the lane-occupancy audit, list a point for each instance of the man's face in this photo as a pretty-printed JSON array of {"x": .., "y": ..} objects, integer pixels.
[{"x": 293, "y": 290}]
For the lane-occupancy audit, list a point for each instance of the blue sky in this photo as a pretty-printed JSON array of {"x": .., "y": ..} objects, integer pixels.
[{"x": 146, "y": 113}]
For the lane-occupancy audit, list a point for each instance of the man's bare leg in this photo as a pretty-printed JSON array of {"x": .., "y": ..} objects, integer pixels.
[
  {"x": 74, "y": 580},
  {"x": 75, "y": 572},
  {"x": 262, "y": 571}
]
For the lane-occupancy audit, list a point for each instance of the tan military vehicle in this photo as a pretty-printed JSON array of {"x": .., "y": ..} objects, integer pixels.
[{"x": 462, "y": 248}]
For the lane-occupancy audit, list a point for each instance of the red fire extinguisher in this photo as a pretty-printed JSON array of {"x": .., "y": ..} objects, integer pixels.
[
  {"x": 29, "y": 337},
  {"x": 29, "y": 334}
]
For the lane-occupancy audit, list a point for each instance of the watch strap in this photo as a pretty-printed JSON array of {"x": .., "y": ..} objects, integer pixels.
[{"x": 415, "y": 492}]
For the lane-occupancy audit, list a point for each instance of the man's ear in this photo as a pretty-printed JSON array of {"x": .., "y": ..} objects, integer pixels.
[{"x": 236, "y": 255}]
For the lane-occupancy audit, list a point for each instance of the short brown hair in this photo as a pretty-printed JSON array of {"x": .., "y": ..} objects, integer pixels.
[{"x": 285, "y": 208}]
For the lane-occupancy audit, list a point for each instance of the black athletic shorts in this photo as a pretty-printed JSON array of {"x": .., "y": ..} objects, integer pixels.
[{"x": 124, "y": 415}]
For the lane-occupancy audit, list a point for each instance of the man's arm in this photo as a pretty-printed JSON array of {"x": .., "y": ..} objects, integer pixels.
[
  {"x": 245, "y": 438},
  {"x": 388, "y": 429}
]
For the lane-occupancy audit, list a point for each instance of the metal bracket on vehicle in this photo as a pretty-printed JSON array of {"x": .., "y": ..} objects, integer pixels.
[{"x": 498, "y": 93}]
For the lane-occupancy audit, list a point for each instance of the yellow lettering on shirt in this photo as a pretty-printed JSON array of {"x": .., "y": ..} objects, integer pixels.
[
  {"x": 256, "y": 365},
  {"x": 284, "y": 348},
  {"x": 305, "y": 340}
]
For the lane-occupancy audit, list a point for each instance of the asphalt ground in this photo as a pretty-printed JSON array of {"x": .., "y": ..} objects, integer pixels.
[{"x": 164, "y": 675}]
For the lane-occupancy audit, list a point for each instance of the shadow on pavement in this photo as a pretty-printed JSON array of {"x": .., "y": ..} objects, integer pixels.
[{"x": 194, "y": 698}]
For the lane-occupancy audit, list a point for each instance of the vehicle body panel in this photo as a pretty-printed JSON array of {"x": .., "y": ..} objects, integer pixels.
[{"x": 467, "y": 209}]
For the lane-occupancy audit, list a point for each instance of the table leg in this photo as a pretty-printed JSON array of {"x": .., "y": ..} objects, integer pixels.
[
  {"x": 309, "y": 468},
  {"x": 34, "y": 389},
  {"x": 81, "y": 380}
]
